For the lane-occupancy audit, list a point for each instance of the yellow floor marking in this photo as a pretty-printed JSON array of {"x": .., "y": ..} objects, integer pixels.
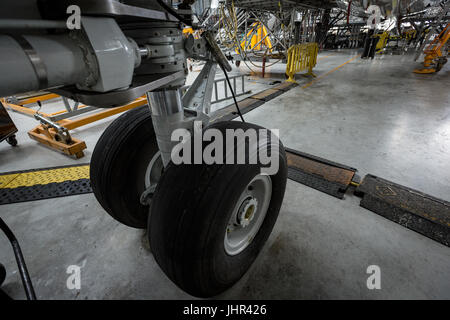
[
  {"x": 6, "y": 179},
  {"x": 323, "y": 75},
  {"x": 28, "y": 179},
  {"x": 321, "y": 58}
]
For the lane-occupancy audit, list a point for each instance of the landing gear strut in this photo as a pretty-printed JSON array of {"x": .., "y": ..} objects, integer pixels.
[{"x": 206, "y": 222}]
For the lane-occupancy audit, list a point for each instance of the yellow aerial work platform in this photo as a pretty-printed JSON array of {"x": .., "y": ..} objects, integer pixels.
[
  {"x": 256, "y": 38},
  {"x": 436, "y": 53}
]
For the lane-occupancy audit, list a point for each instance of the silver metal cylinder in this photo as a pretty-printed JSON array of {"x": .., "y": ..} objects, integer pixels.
[
  {"x": 34, "y": 62},
  {"x": 22, "y": 24},
  {"x": 167, "y": 115},
  {"x": 165, "y": 102}
]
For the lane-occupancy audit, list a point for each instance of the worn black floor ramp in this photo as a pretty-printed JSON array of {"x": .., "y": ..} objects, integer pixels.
[
  {"x": 410, "y": 208},
  {"x": 45, "y": 191},
  {"x": 229, "y": 113},
  {"x": 45, "y": 183},
  {"x": 250, "y": 103},
  {"x": 321, "y": 174},
  {"x": 268, "y": 94}
]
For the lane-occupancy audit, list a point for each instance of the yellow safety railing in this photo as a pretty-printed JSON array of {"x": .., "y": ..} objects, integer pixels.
[{"x": 301, "y": 57}]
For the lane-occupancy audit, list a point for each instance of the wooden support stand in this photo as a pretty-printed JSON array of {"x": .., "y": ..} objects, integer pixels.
[{"x": 48, "y": 137}]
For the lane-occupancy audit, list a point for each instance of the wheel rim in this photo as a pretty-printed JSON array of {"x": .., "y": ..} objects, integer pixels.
[
  {"x": 248, "y": 215},
  {"x": 154, "y": 171}
]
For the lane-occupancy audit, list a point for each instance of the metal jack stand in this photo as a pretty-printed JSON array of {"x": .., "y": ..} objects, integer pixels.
[
  {"x": 54, "y": 128},
  {"x": 26, "y": 280}
]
